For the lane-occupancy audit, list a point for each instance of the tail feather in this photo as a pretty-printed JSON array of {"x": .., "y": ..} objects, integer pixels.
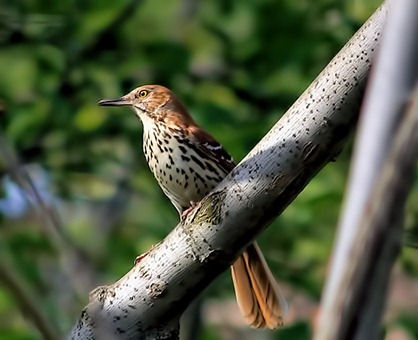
[{"x": 258, "y": 295}]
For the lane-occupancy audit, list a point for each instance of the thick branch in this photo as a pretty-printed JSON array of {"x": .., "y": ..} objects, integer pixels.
[
  {"x": 356, "y": 313},
  {"x": 366, "y": 246},
  {"x": 152, "y": 296}
]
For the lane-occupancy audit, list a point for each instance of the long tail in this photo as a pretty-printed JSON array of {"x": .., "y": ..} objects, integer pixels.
[{"x": 258, "y": 295}]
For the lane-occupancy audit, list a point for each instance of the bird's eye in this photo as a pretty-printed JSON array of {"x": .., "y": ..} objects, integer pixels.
[{"x": 143, "y": 93}]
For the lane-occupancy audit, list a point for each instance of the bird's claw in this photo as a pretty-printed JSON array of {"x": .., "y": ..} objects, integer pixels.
[{"x": 186, "y": 212}]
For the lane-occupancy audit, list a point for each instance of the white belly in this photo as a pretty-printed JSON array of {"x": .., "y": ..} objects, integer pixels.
[{"x": 178, "y": 169}]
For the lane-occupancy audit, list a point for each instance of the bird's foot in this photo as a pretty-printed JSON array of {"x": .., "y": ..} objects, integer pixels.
[{"x": 186, "y": 212}]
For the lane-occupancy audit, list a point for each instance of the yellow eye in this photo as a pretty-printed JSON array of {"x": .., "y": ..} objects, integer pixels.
[{"x": 143, "y": 93}]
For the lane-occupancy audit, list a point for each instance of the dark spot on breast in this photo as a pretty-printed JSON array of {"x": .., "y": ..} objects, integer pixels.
[
  {"x": 198, "y": 162},
  {"x": 200, "y": 178},
  {"x": 211, "y": 168},
  {"x": 179, "y": 139},
  {"x": 182, "y": 149}
]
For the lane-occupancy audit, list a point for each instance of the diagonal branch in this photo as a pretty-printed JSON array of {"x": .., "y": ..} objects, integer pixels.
[
  {"x": 74, "y": 260},
  {"x": 148, "y": 301},
  {"x": 27, "y": 301}
]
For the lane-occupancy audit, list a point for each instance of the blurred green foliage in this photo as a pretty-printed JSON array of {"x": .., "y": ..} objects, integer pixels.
[{"x": 237, "y": 65}]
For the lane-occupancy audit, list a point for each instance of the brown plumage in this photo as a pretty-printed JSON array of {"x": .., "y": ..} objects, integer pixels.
[{"x": 188, "y": 163}]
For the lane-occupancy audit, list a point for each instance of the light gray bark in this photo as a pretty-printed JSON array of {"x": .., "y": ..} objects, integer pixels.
[
  {"x": 370, "y": 228},
  {"x": 148, "y": 301}
]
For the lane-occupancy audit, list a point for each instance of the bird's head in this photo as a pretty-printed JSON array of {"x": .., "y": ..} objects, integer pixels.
[{"x": 152, "y": 101}]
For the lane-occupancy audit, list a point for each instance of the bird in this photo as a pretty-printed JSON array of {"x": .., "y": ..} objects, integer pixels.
[{"x": 188, "y": 163}]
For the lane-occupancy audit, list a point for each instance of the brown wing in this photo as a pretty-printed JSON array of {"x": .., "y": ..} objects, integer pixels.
[{"x": 208, "y": 147}]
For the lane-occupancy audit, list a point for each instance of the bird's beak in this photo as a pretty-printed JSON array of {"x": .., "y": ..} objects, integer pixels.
[{"x": 114, "y": 102}]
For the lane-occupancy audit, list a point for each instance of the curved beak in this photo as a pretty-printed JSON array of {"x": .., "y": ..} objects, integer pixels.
[{"x": 114, "y": 102}]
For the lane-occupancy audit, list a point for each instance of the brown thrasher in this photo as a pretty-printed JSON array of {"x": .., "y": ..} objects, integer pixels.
[{"x": 188, "y": 163}]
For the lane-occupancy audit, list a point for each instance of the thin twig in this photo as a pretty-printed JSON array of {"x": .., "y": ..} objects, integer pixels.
[
  {"x": 75, "y": 261},
  {"x": 26, "y": 300}
]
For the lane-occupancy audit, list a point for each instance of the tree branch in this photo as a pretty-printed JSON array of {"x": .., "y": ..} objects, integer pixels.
[
  {"x": 75, "y": 262},
  {"x": 148, "y": 301},
  {"x": 26, "y": 300},
  {"x": 370, "y": 227},
  {"x": 357, "y": 311}
]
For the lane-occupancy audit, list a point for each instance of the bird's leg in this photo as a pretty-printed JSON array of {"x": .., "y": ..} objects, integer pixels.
[{"x": 186, "y": 212}]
